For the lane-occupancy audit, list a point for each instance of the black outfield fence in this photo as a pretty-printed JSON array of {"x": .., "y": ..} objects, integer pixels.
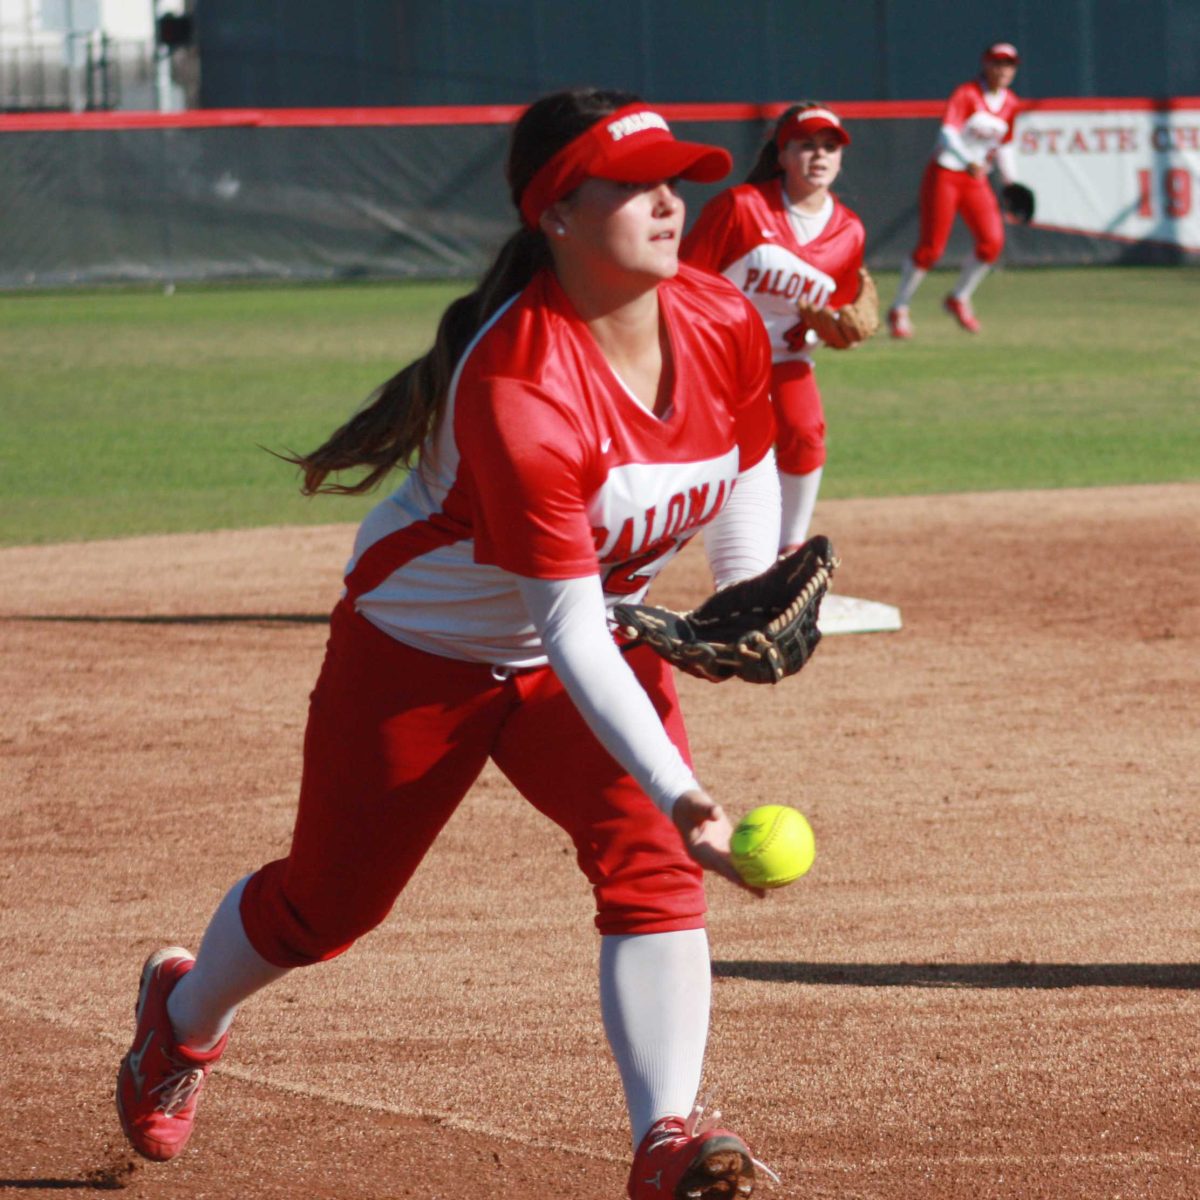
[{"x": 379, "y": 193}]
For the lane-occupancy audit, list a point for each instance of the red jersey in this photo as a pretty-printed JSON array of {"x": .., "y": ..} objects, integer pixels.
[
  {"x": 545, "y": 465},
  {"x": 984, "y": 121},
  {"x": 746, "y": 234}
]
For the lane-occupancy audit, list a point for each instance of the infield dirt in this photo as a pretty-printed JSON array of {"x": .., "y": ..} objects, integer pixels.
[{"x": 988, "y": 986}]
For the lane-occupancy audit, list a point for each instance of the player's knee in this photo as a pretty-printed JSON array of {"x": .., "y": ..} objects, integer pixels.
[
  {"x": 800, "y": 451},
  {"x": 290, "y": 934},
  {"x": 672, "y": 902},
  {"x": 988, "y": 248},
  {"x": 803, "y": 461},
  {"x": 645, "y": 882},
  {"x": 925, "y": 257}
]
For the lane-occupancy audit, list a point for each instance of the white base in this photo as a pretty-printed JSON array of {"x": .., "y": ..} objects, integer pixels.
[{"x": 848, "y": 614}]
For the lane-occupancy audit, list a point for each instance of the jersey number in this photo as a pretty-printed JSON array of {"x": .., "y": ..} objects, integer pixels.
[
  {"x": 795, "y": 337},
  {"x": 628, "y": 577}
]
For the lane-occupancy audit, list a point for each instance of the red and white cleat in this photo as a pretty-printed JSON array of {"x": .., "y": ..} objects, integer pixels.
[
  {"x": 899, "y": 323},
  {"x": 692, "y": 1160},
  {"x": 159, "y": 1082},
  {"x": 962, "y": 312}
]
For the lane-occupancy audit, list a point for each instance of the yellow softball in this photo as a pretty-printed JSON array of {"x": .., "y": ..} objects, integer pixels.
[{"x": 773, "y": 845}]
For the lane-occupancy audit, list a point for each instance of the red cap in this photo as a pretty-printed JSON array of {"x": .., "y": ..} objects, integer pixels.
[
  {"x": 632, "y": 145},
  {"x": 1002, "y": 52},
  {"x": 810, "y": 120}
]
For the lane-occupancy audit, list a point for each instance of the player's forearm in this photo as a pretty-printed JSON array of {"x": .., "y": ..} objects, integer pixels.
[
  {"x": 572, "y": 621},
  {"x": 1006, "y": 162},
  {"x": 950, "y": 139}
]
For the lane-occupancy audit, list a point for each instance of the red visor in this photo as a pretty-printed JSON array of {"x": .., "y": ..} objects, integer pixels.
[
  {"x": 810, "y": 120},
  {"x": 1001, "y": 52},
  {"x": 632, "y": 145}
]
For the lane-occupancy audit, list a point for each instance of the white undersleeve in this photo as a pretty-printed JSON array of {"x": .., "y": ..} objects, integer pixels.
[
  {"x": 1006, "y": 162},
  {"x": 950, "y": 139},
  {"x": 572, "y": 621},
  {"x": 743, "y": 539}
]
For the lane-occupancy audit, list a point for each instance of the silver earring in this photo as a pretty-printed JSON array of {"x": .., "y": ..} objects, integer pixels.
[{"x": 561, "y": 230}]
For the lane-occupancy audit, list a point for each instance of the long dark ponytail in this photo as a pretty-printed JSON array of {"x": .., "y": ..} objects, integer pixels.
[{"x": 403, "y": 412}]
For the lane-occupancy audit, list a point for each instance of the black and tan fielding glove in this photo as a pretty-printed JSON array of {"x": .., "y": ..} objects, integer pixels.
[{"x": 760, "y": 630}]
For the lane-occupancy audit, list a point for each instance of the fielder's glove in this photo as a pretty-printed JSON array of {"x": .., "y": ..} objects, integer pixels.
[
  {"x": 1017, "y": 202},
  {"x": 761, "y": 629},
  {"x": 841, "y": 328}
]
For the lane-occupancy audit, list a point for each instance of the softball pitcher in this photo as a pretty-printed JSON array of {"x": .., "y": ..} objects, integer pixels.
[
  {"x": 589, "y": 408},
  {"x": 783, "y": 238},
  {"x": 976, "y": 136}
]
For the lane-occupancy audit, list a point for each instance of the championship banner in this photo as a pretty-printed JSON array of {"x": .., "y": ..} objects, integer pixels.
[{"x": 1130, "y": 173}]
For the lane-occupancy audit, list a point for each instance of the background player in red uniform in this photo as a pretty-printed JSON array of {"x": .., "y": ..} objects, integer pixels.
[
  {"x": 976, "y": 135},
  {"x": 583, "y": 413},
  {"x": 783, "y": 238}
]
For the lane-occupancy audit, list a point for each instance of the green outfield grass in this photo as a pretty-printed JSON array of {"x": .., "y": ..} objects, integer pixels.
[
  {"x": 1080, "y": 377},
  {"x": 130, "y": 412}
]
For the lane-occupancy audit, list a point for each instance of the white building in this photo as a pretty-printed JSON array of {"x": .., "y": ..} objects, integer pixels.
[
  {"x": 32, "y": 20},
  {"x": 81, "y": 54}
]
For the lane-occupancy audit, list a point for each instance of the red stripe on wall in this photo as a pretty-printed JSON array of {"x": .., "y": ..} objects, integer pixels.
[
  {"x": 504, "y": 114},
  {"x": 500, "y": 114},
  {"x": 216, "y": 118}
]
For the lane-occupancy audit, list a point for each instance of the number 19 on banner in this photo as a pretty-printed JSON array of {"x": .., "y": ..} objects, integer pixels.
[{"x": 1165, "y": 193}]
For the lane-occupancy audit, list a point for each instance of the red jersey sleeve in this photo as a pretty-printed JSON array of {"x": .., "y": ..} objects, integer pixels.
[
  {"x": 523, "y": 457},
  {"x": 959, "y": 107},
  {"x": 847, "y": 273},
  {"x": 754, "y": 418},
  {"x": 1012, "y": 109},
  {"x": 706, "y": 244}
]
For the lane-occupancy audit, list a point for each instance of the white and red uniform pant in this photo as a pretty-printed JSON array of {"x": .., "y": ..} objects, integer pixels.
[
  {"x": 395, "y": 739},
  {"x": 799, "y": 418},
  {"x": 945, "y": 193}
]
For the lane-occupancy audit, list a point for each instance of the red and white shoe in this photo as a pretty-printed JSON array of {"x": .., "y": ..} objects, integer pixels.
[
  {"x": 159, "y": 1082},
  {"x": 692, "y": 1160},
  {"x": 962, "y": 312},
  {"x": 899, "y": 323}
]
